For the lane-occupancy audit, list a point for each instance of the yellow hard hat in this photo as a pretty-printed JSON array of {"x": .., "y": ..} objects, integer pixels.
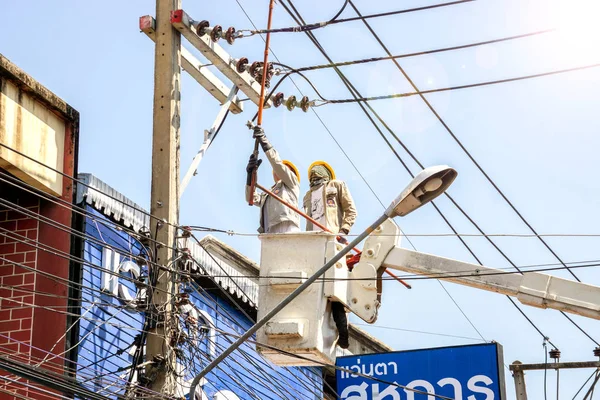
[
  {"x": 293, "y": 168},
  {"x": 323, "y": 163}
]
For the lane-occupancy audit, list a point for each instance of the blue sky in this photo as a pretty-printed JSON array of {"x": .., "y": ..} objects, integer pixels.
[{"x": 536, "y": 139}]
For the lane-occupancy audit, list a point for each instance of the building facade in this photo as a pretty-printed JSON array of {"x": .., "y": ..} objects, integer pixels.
[
  {"x": 215, "y": 306},
  {"x": 212, "y": 312},
  {"x": 38, "y": 164}
]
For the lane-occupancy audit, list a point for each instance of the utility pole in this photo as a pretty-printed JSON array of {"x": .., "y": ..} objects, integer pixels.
[{"x": 164, "y": 203}]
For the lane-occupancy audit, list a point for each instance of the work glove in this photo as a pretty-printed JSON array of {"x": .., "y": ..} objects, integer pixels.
[
  {"x": 259, "y": 134},
  {"x": 253, "y": 164},
  {"x": 342, "y": 232}
]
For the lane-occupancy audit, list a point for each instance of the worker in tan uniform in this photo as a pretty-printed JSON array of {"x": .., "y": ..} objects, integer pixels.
[
  {"x": 274, "y": 216},
  {"x": 329, "y": 202}
]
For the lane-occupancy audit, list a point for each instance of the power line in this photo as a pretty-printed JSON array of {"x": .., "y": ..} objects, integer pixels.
[
  {"x": 467, "y": 153},
  {"x": 334, "y": 20},
  {"x": 427, "y": 235},
  {"x": 420, "y": 53},
  {"x": 419, "y": 332},
  {"x": 322, "y": 122},
  {"x": 79, "y": 182},
  {"x": 324, "y": 364},
  {"x": 40, "y": 246},
  {"x": 458, "y": 87},
  {"x": 54, "y": 381},
  {"x": 456, "y": 138},
  {"x": 449, "y": 275},
  {"x": 21, "y": 185},
  {"x": 356, "y": 94}
]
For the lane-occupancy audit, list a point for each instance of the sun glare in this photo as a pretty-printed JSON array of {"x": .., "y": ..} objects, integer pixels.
[{"x": 578, "y": 30}]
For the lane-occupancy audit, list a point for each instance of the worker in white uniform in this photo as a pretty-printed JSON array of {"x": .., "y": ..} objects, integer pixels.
[
  {"x": 328, "y": 201},
  {"x": 274, "y": 216}
]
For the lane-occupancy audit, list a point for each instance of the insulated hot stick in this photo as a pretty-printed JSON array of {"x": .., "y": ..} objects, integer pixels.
[
  {"x": 341, "y": 239},
  {"x": 262, "y": 99}
]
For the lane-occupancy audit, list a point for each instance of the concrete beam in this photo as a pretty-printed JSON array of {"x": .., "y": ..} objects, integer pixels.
[
  {"x": 193, "y": 66},
  {"x": 217, "y": 56}
]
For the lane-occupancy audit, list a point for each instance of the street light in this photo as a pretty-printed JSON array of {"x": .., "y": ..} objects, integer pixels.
[{"x": 426, "y": 186}]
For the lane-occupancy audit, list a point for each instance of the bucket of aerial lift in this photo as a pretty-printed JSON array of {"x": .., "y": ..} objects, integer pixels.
[{"x": 305, "y": 327}]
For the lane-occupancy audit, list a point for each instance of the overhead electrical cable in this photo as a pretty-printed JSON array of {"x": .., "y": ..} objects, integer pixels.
[
  {"x": 41, "y": 246},
  {"x": 76, "y": 209},
  {"x": 415, "y": 331},
  {"x": 403, "y": 72},
  {"x": 60, "y": 366},
  {"x": 225, "y": 314},
  {"x": 316, "y": 115},
  {"x": 79, "y": 182},
  {"x": 449, "y": 275},
  {"x": 54, "y": 381},
  {"x": 231, "y": 232},
  {"x": 459, "y": 142},
  {"x": 458, "y": 87},
  {"x": 356, "y": 94},
  {"x": 354, "y": 373},
  {"x": 419, "y": 53},
  {"x": 334, "y": 20}
]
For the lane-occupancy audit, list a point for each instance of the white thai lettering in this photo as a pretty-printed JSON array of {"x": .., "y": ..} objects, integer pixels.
[
  {"x": 364, "y": 369},
  {"x": 360, "y": 389},
  {"x": 391, "y": 363},
  {"x": 419, "y": 384},
  {"x": 455, "y": 384},
  {"x": 377, "y": 370},
  {"x": 390, "y": 391},
  {"x": 111, "y": 262},
  {"x": 472, "y": 386}
]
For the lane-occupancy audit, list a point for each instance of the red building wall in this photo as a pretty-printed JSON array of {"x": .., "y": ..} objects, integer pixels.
[{"x": 35, "y": 258}]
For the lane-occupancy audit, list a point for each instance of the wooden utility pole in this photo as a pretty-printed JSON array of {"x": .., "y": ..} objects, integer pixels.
[{"x": 165, "y": 192}]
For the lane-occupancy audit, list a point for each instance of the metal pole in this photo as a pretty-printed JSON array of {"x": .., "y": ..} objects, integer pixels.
[
  {"x": 519, "y": 377},
  {"x": 590, "y": 392},
  {"x": 284, "y": 303},
  {"x": 261, "y": 103},
  {"x": 164, "y": 202},
  {"x": 208, "y": 137},
  {"x": 341, "y": 239}
]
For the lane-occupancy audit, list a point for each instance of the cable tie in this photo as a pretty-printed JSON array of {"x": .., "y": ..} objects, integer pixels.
[{"x": 320, "y": 104}]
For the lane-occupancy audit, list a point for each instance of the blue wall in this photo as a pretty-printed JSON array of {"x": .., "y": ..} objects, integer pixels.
[{"x": 107, "y": 326}]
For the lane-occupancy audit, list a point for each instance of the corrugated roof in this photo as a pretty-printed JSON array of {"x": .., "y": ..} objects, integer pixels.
[
  {"x": 225, "y": 275},
  {"x": 111, "y": 203}
]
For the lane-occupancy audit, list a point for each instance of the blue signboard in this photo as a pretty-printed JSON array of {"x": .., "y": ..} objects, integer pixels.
[
  {"x": 462, "y": 372},
  {"x": 108, "y": 326}
]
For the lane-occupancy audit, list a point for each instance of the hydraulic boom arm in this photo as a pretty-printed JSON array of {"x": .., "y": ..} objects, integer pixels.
[{"x": 531, "y": 288}]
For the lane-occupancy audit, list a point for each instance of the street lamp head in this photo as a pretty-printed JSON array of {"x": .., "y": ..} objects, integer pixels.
[{"x": 426, "y": 186}]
